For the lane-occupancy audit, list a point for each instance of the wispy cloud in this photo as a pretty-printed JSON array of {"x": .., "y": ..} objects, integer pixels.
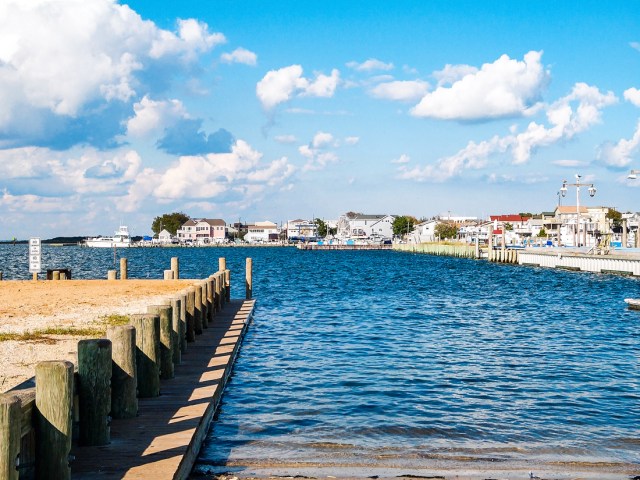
[
  {"x": 370, "y": 65},
  {"x": 240, "y": 55}
]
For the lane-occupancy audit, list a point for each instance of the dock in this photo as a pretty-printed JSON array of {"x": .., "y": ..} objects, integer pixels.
[
  {"x": 304, "y": 246},
  {"x": 163, "y": 441}
]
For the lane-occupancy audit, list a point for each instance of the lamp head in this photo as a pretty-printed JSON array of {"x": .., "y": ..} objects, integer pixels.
[
  {"x": 563, "y": 190},
  {"x": 592, "y": 191},
  {"x": 632, "y": 176}
]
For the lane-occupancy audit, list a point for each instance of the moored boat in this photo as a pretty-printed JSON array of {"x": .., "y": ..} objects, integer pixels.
[
  {"x": 120, "y": 239},
  {"x": 634, "y": 303}
]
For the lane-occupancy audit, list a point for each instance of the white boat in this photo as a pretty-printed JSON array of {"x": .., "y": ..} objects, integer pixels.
[
  {"x": 120, "y": 239},
  {"x": 634, "y": 303}
]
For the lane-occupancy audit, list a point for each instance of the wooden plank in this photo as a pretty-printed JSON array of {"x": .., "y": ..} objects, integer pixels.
[{"x": 164, "y": 440}]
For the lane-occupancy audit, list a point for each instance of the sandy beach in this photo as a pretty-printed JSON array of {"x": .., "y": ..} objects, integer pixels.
[{"x": 27, "y": 306}]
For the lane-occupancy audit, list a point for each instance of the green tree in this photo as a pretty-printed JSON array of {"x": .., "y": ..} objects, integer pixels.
[
  {"x": 322, "y": 227},
  {"x": 615, "y": 217},
  {"x": 542, "y": 233},
  {"x": 446, "y": 230},
  {"x": 508, "y": 227},
  {"x": 404, "y": 224},
  {"x": 170, "y": 222}
]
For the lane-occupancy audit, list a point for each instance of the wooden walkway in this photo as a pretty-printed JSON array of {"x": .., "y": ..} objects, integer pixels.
[{"x": 164, "y": 440}]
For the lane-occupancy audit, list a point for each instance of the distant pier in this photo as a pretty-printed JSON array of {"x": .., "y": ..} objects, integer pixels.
[{"x": 310, "y": 246}]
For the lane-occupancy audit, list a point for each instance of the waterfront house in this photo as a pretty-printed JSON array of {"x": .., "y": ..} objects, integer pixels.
[
  {"x": 361, "y": 226},
  {"x": 301, "y": 230},
  {"x": 262, "y": 232},
  {"x": 164, "y": 238},
  {"x": 203, "y": 231},
  {"x": 424, "y": 232}
]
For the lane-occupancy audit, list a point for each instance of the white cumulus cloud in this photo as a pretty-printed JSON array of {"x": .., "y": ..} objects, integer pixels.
[
  {"x": 153, "y": 116},
  {"x": 622, "y": 153},
  {"x": 281, "y": 85},
  {"x": 240, "y": 55},
  {"x": 450, "y": 74},
  {"x": 401, "y": 90},
  {"x": 570, "y": 115},
  {"x": 402, "y": 159},
  {"x": 632, "y": 95},
  {"x": 61, "y": 55},
  {"x": 503, "y": 88}
]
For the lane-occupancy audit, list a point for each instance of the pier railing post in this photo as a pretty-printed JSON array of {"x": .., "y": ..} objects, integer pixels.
[
  {"x": 10, "y": 435},
  {"x": 249, "y": 279},
  {"x": 175, "y": 267},
  {"x": 176, "y": 304},
  {"x": 183, "y": 322},
  {"x": 94, "y": 391},
  {"x": 211, "y": 308},
  {"x": 147, "y": 354},
  {"x": 227, "y": 282},
  {"x": 124, "y": 383},
  {"x": 54, "y": 403},
  {"x": 124, "y": 269},
  {"x": 205, "y": 305},
  {"x": 165, "y": 312},
  {"x": 197, "y": 311},
  {"x": 222, "y": 264},
  {"x": 190, "y": 314}
]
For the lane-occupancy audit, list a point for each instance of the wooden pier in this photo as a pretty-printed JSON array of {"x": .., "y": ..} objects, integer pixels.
[
  {"x": 161, "y": 378},
  {"x": 163, "y": 441}
]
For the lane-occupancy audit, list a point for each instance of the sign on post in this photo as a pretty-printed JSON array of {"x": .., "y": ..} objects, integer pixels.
[{"x": 35, "y": 256}]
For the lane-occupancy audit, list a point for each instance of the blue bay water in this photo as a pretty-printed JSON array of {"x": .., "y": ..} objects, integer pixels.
[{"x": 358, "y": 360}]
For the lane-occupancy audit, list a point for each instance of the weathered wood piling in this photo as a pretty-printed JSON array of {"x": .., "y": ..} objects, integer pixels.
[
  {"x": 124, "y": 383},
  {"x": 94, "y": 390}
]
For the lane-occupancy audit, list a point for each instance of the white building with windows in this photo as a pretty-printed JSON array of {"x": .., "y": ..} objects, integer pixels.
[
  {"x": 262, "y": 232},
  {"x": 360, "y": 226}
]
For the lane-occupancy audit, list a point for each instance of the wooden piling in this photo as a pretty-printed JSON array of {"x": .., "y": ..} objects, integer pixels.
[
  {"x": 124, "y": 269},
  {"x": 54, "y": 404},
  {"x": 94, "y": 391},
  {"x": 190, "y": 314},
  {"x": 176, "y": 305},
  {"x": 183, "y": 322},
  {"x": 10, "y": 435},
  {"x": 249, "y": 279},
  {"x": 210, "y": 299},
  {"x": 168, "y": 275},
  {"x": 227, "y": 286},
  {"x": 205, "y": 304},
  {"x": 0, "y": 276},
  {"x": 147, "y": 354},
  {"x": 167, "y": 342},
  {"x": 112, "y": 274},
  {"x": 197, "y": 311},
  {"x": 55, "y": 275},
  {"x": 124, "y": 383},
  {"x": 175, "y": 267},
  {"x": 222, "y": 264}
]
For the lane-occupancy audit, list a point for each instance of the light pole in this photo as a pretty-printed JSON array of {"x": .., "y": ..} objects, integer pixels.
[{"x": 592, "y": 192}]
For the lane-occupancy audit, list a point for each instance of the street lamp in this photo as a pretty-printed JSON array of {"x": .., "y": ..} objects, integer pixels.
[
  {"x": 592, "y": 192},
  {"x": 633, "y": 174}
]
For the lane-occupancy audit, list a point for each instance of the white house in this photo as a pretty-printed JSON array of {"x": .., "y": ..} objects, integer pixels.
[
  {"x": 164, "y": 238},
  {"x": 261, "y": 232},
  {"x": 360, "y": 226},
  {"x": 301, "y": 230}
]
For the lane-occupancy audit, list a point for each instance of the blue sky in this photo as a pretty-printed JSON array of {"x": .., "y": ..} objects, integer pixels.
[{"x": 253, "y": 110}]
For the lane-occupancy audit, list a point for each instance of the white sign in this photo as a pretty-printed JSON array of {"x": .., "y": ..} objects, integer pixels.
[{"x": 35, "y": 259}]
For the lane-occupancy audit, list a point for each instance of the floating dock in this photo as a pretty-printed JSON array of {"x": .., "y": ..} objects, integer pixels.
[{"x": 304, "y": 246}]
